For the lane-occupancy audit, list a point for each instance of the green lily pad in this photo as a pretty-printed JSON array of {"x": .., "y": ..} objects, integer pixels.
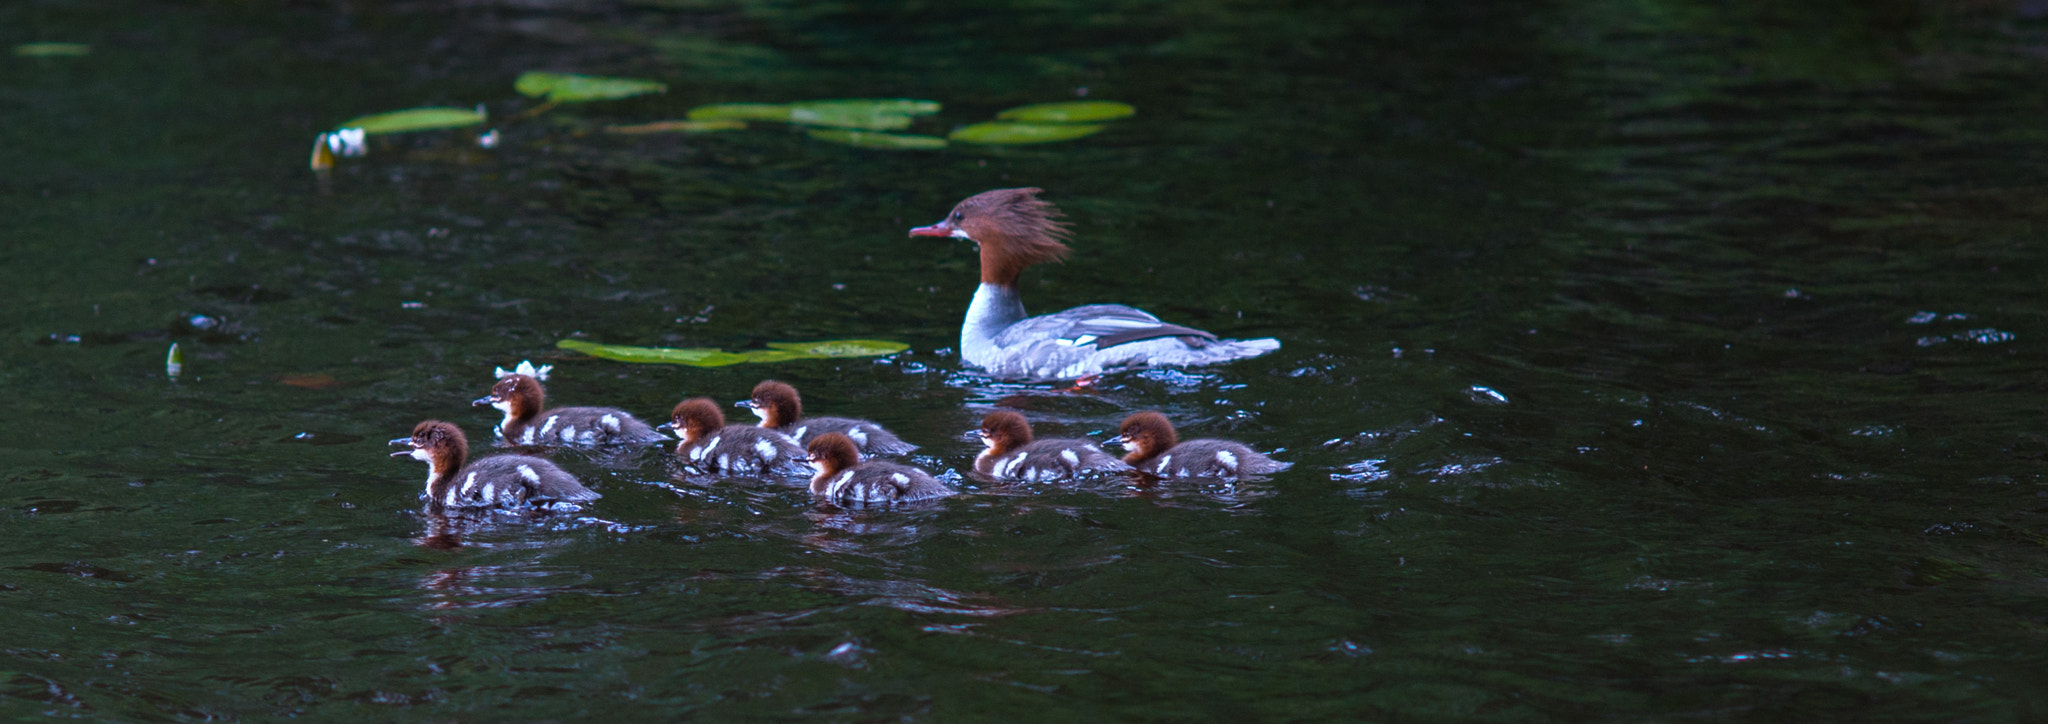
[
  {"x": 873, "y": 139},
  {"x": 694, "y": 356},
  {"x": 842, "y": 347},
  {"x": 52, "y": 50},
  {"x": 678, "y": 127},
  {"x": 708, "y": 357},
  {"x": 571, "y": 88},
  {"x": 1007, "y": 133},
  {"x": 867, "y": 114},
  {"x": 777, "y": 112},
  {"x": 1070, "y": 112},
  {"x": 415, "y": 119}
]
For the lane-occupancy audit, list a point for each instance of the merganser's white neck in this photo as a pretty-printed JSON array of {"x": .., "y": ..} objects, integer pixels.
[
  {"x": 434, "y": 472},
  {"x": 995, "y": 308},
  {"x": 510, "y": 417}
]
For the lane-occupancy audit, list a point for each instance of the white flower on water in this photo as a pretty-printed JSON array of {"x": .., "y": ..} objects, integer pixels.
[
  {"x": 348, "y": 142},
  {"x": 525, "y": 368}
]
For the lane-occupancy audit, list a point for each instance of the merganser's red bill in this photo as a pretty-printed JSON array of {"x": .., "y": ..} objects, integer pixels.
[{"x": 939, "y": 229}]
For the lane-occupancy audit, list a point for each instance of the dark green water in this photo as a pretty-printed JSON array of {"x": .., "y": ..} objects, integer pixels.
[{"x": 1643, "y": 359}]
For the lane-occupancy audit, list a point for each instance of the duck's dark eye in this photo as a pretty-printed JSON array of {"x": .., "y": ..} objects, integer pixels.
[{"x": 956, "y": 216}]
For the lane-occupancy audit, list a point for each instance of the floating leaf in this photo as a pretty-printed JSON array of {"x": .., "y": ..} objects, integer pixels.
[
  {"x": 741, "y": 112},
  {"x": 174, "y": 363},
  {"x": 416, "y": 119},
  {"x": 868, "y": 114},
  {"x": 1010, "y": 133},
  {"x": 570, "y": 88},
  {"x": 872, "y": 139},
  {"x": 678, "y": 127},
  {"x": 1069, "y": 112},
  {"x": 52, "y": 50},
  {"x": 708, "y": 357},
  {"x": 842, "y": 347},
  {"x": 695, "y": 357},
  {"x": 905, "y": 106}
]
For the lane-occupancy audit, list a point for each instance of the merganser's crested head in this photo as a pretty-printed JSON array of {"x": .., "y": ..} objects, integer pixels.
[
  {"x": 1013, "y": 228},
  {"x": 1145, "y": 435},
  {"x": 694, "y": 418},
  {"x": 831, "y": 453},
  {"x": 440, "y": 445},
  {"x": 1004, "y": 430},
  {"x": 776, "y": 403},
  {"x": 518, "y": 396}
]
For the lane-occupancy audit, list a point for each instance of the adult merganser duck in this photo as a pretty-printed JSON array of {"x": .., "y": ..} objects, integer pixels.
[
  {"x": 710, "y": 446},
  {"x": 498, "y": 481},
  {"x": 519, "y": 394},
  {"x": 782, "y": 410},
  {"x": 1156, "y": 450},
  {"x": 1015, "y": 230},
  {"x": 1012, "y": 454},
  {"x": 843, "y": 478}
]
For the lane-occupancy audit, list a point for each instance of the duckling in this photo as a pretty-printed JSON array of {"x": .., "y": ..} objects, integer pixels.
[
  {"x": 1012, "y": 454},
  {"x": 781, "y": 409},
  {"x": 1154, "y": 450},
  {"x": 498, "y": 481},
  {"x": 843, "y": 478},
  {"x": 712, "y": 447},
  {"x": 520, "y": 396}
]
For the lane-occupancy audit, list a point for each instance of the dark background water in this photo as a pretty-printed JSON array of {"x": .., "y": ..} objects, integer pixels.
[{"x": 1643, "y": 359}]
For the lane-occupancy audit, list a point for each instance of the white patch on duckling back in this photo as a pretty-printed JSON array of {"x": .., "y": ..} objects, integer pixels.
[
  {"x": 526, "y": 471},
  {"x": 766, "y": 448},
  {"x": 549, "y": 426},
  {"x": 1227, "y": 460},
  {"x": 609, "y": 422},
  {"x": 528, "y": 437},
  {"x": 568, "y": 433},
  {"x": 799, "y": 434},
  {"x": 490, "y": 493},
  {"x": 454, "y": 495},
  {"x": 860, "y": 437},
  {"x": 1016, "y": 461},
  {"x": 1073, "y": 459}
]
